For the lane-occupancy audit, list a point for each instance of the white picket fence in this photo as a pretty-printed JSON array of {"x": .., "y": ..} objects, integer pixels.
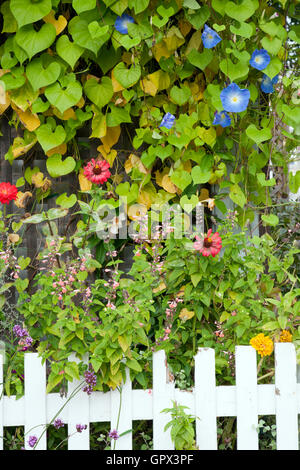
[{"x": 246, "y": 400}]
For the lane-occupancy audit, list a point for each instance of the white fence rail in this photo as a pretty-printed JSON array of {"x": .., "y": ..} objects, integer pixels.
[{"x": 246, "y": 400}]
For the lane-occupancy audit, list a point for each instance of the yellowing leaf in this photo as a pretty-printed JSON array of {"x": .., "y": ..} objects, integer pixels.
[
  {"x": 59, "y": 24},
  {"x": 37, "y": 179},
  {"x": 22, "y": 198},
  {"x": 185, "y": 27},
  {"x": 147, "y": 195},
  {"x": 134, "y": 162},
  {"x": 109, "y": 156},
  {"x": 68, "y": 114},
  {"x": 194, "y": 42},
  {"x": 204, "y": 194},
  {"x": 160, "y": 79},
  {"x": 161, "y": 287},
  {"x": 80, "y": 103},
  {"x": 168, "y": 185},
  {"x": 161, "y": 50},
  {"x": 148, "y": 87},
  {"x": 196, "y": 91},
  {"x": 84, "y": 183},
  {"x": 19, "y": 147},
  {"x": 29, "y": 120},
  {"x": 62, "y": 149},
  {"x": 4, "y": 101},
  {"x": 111, "y": 138},
  {"x": 116, "y": 85},
  {"x": 136, "y": 211},
  {"x": 186, "y": 314}
]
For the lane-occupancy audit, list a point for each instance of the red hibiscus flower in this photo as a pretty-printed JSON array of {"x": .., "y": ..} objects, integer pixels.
[
  {"x": 97, "y": 171},
  {"x": 8, "y": 192},
  {"x": 210, "y": 244}
]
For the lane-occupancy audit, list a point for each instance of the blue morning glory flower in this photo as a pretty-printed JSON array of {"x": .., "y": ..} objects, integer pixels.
[
  {"x": 121, "y": 23},
  {"x": 267, "y": 84},
  {"x": 223, "y": 119},
  {"x": 260, "y": 59},
  {"x": 167, "y": 121},
  {"x": 210, "y": 38},
  {"x": 234, "y": 99}
]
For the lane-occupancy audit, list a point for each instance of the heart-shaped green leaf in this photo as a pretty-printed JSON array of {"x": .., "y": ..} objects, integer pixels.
[
  {"x": 272, "y": 45},
  {"x": 200, "y": 60},
  {"x": 68, "y": 50},
  {"x": 189, "y": 204},
  {"x": 180, "y": 95},
  {"x": 261, "y": 178},
  {"x": 99, "y": 93},
  {"x": 219, "y": 6},
  {"x": 83, "y": 5},
  {"x": 40, "y": 75},
  {"x": 237, "y": 196},
  {"x": 57, "y": 167},
  {"x": 128, "y": 191},
  {"x": 127, "y": 42},
  {"x": 96, "y": 31},
  {"x": 14, "y": 79},
  {"x": 127, "y": 77},
  {"x": 234, "y": 71},
  {"x": 200, "y": 176},
  {"x": 158, "y": 22},
  {"x": 270, "y": 219},
  {"x": 66, "y": 201},
  {"x": 246, "y": 30},
  {"x": 33, "y": 41},
  {"x": 64, "y": 95},
  {"x": 48, "y": 138},
  {"x": 273, "y": 68},
  {"x": 79, "y": 29},
  {"x": 29, "y": 11},
  {"x": 258, "y": 135},
  {"x": 181, "y": 179},
  {"x": 243, "y": 11}
]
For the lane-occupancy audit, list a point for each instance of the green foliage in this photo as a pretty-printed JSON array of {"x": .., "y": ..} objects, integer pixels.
[{"x": 182, "y": 430}]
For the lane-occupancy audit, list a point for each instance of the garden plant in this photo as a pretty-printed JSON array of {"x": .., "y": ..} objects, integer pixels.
[{"x": 178, "y": 223}]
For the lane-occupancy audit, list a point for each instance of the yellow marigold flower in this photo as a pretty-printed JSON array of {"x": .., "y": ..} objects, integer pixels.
[
  {"x": 285, "y": 337},
  {"x": 263, "y": 344}
]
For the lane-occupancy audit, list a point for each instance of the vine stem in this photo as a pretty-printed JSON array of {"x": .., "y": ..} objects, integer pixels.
[
  {"x": 119, "y": 413},
  {"x": 77, "y": 389}
]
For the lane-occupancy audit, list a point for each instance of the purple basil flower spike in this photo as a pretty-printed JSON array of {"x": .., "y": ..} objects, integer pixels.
[
  {"x": 32, "y": 441},
  {"x": 114, "y": 434},
  {"x": 58, "y": 423},
  {"x": 81, "y": 427}
]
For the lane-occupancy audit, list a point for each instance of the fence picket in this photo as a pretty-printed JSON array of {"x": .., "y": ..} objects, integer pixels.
[
  {"x": 246, "y": 398},
  {"x": 205, "y": 399},
  {"x": 1, "y": 403},
  {"x": 163, "y": 394},
  {"x": 286, "y": 397},
  {"x": 125, "y": 416},
  {"x": 78, "y": 413},
  {"x": 35, "y": 400}
]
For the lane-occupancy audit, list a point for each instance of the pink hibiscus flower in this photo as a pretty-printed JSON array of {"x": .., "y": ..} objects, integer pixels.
[
  {"x": 97, "y": 171},
  {"x": 210, "y": 244}
]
